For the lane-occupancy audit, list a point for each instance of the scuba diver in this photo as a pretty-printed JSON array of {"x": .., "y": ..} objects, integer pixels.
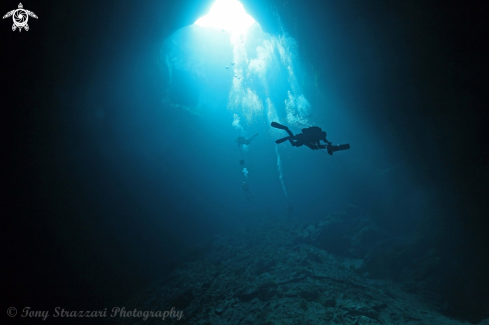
[
  {"x": 309, "y": 137},
  {"x": 243, "y": 140},
  {"x": 246, "y": 189}
]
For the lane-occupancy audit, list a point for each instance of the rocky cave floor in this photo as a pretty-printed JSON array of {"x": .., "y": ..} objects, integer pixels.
[{"x": 282, "y": 274}]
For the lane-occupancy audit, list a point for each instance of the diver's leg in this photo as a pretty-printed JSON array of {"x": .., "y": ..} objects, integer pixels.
[
  {"x": 281, "y": 140},
  {"x": 295, "y": 143}
]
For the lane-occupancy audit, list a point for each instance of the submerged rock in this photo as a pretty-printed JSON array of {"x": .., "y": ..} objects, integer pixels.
[{"x": 272, "y": 272}]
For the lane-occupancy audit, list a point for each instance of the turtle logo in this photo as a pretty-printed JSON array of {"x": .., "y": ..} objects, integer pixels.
[{"x": 20, "y": 17}]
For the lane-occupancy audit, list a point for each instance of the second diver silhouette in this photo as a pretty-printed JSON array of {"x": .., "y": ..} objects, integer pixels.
[{"x": 243, "y": 140}]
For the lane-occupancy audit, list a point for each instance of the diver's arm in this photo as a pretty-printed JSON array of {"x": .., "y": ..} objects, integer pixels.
[
  {"x": 326, "y": 140},
  {"x": 312, "y": 146}
]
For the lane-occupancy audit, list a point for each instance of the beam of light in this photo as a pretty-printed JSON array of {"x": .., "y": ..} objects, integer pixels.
[
  {"x": 257, "y": 71},
  {"x": 281, "y": 175},
  {"x": 228, "y": 15}
]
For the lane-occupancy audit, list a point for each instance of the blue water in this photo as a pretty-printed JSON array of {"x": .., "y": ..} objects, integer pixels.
[
  {"x": 220, "y": 85},
  {"x": 155, "y": 154},
  {"x": 130, "y": 126}
]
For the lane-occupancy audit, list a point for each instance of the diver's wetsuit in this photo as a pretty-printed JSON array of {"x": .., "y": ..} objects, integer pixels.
[{"x": 309, "y": 137}]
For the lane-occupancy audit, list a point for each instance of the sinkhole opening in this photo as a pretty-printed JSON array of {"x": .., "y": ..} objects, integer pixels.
[{"x": 229, "y": 15}]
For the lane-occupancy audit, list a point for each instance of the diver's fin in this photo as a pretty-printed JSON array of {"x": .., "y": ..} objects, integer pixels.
[
  {"x": 281, "y": 140},
  {"x": 279, "y": 126}
]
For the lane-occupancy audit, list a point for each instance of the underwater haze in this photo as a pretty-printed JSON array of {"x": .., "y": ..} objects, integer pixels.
[
  {"x": 234, "y": 84},
  {"x": 139, "y": 134}
]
